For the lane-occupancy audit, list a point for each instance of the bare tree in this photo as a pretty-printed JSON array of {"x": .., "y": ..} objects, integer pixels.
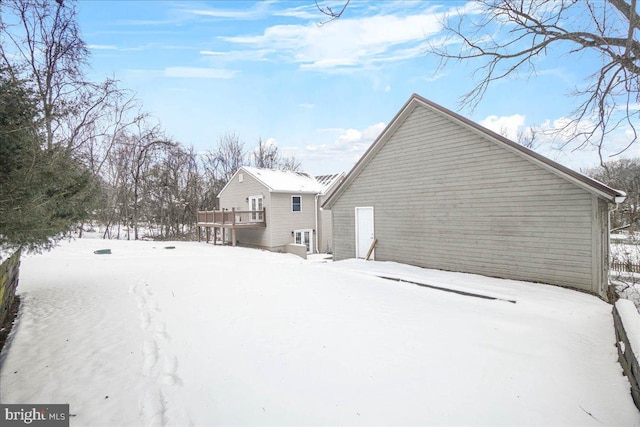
[
  {"x": 528, "y": 138},
  {"x": 212, "y": 180},
  {"x": 623, "y": 174},
  {"x": 230, "y": 155},
  {"x": 331, "y": 14},
  {"x": 103, "y": 125},
  {"x": 146, "y": 143},
  {"x": 126, "y": 174},
  {"x": 267, "y": 155},
  {"x": 174, "y": 188},
  {"x": 114, "y": 211},
  {"x": 45, "y": 44},
  {"x": 508, "y": 35},
  {"x": 290, "y": 164}
]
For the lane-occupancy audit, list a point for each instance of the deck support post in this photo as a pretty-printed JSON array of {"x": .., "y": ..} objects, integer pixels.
[
  {"x": 233, "y": 226},
  {"x": 220, "y": 221}
]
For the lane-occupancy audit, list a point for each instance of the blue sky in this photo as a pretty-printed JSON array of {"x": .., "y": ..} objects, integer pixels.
[{"x": 266, "y": 69}]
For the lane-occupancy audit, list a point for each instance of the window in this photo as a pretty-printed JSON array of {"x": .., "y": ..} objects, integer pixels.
[
  {"x": 296, "y": 203},
  {"x": 255, "y": 206}
]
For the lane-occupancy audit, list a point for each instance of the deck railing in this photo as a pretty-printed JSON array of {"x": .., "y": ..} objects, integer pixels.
[{"x": 232, "y": 218}]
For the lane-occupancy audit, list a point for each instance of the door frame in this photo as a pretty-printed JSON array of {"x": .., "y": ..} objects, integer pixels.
[
  {"x": 373, "y": 229},
  {"x": 302, "y": 231},
  {"x": 256, "y": 214}
]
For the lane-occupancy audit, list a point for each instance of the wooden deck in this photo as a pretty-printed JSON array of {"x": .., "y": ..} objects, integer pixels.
[{"x": 233, "y": 219}]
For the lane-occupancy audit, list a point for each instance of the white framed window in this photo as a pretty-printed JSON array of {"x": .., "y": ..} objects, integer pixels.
[
  {"x": 304, "y": 237},
  {"x": 296, "y": 203},
  {"x": 255, "y": 206}
]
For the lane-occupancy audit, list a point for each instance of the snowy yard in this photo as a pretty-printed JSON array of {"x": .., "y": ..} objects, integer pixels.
[{"x": 206, "y": 335}]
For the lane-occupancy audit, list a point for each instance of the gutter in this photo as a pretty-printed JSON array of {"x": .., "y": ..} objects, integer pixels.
[{"x": 317, "y": 230}]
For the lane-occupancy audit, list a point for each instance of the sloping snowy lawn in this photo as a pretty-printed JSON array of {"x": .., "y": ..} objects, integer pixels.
[{"x": 204, "y": 335}]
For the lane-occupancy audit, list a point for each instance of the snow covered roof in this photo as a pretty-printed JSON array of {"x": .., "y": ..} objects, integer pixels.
[
  {"x": 280, "y": 181},
  {"x": 327, "y": 181}
]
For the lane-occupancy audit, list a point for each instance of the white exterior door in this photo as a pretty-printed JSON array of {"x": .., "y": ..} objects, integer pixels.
[
  {"x": 364, "y": 231},
  {"x": 304, "y": 237},
  {"x": 255, "y": 203}
]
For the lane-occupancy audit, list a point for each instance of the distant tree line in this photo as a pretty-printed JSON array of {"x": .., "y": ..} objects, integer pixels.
[
  {"x": 623, "y": 174},
  {"x": 75, "y": 152},
  {"x": 152, "y": 182}
]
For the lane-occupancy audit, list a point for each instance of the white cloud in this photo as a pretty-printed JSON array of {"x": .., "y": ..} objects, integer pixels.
[
  {"x": 340, "y": 155},
  {"x": 631, "y": 107},
  {"x": 307, "y": 106},
  {"x": 212, "y": 53},
  {"x": 237, "y": 55},
  {"x": 564, "y": 140},
  {"x": 259, "y": 10},
  {"x": 349, "y": 145},
  {"x": 102, "y": 47},
  {"x": 339, "y": 130},
  {"x": 309, "y": 12},
  {"x": 431, "y": 79},
  {"x": 200, "y": 73},
  {"x": 145, "y": 23},
  {"x": 507, "y": 126},
  {"x": 349, "y": 136},
  {"x": 229, "y": 14},
  {"x": 347, "y": 43}
]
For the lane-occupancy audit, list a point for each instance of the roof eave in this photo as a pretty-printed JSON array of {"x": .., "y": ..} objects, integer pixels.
[
  {"x": 293, "y": 192},
  {"x": 364, "y": 159},
  {"x": 583, "y": 181},
  {"x": 578, "y": 178}
]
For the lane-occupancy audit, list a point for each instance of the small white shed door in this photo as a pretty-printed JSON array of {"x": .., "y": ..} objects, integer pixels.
[{"x": 364, "y": 230}]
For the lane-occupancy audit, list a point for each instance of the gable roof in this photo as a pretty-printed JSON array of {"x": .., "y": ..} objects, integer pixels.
[
  {"x": 279, "y": 181},
  {"x": 327, "y": 181},
  {"x": 589, "y": 184}
]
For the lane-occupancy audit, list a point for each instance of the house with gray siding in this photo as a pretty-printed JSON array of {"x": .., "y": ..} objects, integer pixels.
[
  {"x": 285, "y": 205},
  {"x": 439, "y": 191}
]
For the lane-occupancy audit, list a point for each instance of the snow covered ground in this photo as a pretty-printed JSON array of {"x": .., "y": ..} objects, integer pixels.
[{"x": 210, "y": 335}]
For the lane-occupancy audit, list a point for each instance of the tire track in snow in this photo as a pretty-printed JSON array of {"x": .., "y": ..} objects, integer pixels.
[{"x": 159, "y": 368}]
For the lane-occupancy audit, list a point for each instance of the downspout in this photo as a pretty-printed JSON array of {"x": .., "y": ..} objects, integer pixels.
[
  {"x": 617, "y": 200},
  {"x": 317, "y": 230},
  {"x": 616, "y": 203}
]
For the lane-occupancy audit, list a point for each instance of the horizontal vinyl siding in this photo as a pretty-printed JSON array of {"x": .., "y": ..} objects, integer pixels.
[
  {"x": 343, "y": 215},
  {"x": 445, "y": 197},
  {"x": 325, "y": 242},
  {"x": 284, "y": 221},
  {"x": 325, "y": 232},
  {"x": 235, "y": 196}
]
